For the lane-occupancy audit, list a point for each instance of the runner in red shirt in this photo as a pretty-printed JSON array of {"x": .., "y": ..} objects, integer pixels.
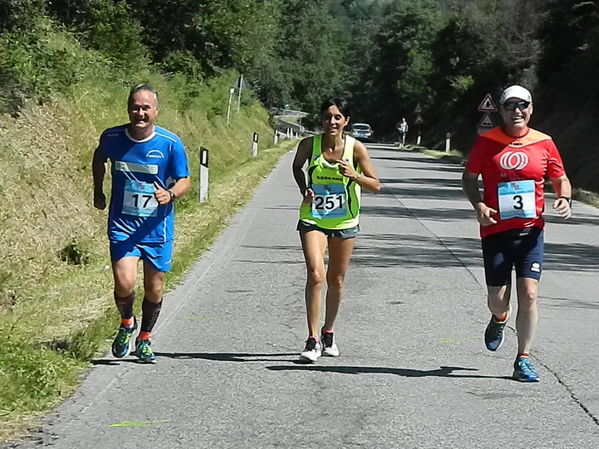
[{"x": 513, "y": 161}]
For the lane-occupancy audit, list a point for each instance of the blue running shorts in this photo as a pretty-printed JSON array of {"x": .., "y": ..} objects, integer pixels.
[
  {"x": 519, "y": 248},
  {"x": 159, "y": 255},
  {"x": 349, "y": 233}
]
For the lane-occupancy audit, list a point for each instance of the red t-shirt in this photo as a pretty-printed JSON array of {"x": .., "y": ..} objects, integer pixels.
[{"x": 513, "y": 171}]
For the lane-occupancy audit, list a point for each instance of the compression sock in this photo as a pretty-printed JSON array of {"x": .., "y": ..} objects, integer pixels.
[
  {"x": 150, "y": 312},
  {"x": 124, "y": 304}
]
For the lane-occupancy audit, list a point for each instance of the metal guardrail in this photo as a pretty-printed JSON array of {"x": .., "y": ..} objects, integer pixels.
[
  {"x": 278, "y": 113},
  {"x": 284, "y": 125}
]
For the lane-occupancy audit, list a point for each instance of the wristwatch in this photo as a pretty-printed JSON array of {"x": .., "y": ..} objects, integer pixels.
[
  {"x": 569, "y": 200},
  {"x": 173, "y": 196}
]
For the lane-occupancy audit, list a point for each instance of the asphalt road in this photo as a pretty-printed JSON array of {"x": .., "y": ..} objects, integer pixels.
[{"x": 413, "y": 371}]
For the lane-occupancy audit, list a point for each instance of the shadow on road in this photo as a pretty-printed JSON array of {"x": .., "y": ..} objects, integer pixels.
[
  {"x": 226, "y": 356},
  {"x": 116, "y": 362},
  {"x": 443, "y": 371}
]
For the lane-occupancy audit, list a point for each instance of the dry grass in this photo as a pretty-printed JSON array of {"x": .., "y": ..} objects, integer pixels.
[
  {"x": 48, "y": 207},
  {"x": 586, "y": 196},
  {"x": 45, "y": 157}
]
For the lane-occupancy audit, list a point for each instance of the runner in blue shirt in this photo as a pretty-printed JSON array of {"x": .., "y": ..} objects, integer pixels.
[{"x": 149, "y": 171}]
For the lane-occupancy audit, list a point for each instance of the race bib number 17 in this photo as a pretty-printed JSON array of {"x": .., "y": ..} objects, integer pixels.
[
  {"x": 139, "y": 199},
  {"x": 517, "y": 199}
]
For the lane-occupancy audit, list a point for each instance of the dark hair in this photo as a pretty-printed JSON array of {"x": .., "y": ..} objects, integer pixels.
[
  {"x": 139, "y": 88},
  {"x": 341, "y": 103}
]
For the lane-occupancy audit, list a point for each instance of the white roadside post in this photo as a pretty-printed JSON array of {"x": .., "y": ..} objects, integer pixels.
[
  {"x": 231, "y": 92},
  {"x": 447, "y": 142},
  {"x": 239, "y": 87},
  {"x": 255, "y": 145},
  {"x": 418, "y": 121},
  {"x": 203, "y": 190}
]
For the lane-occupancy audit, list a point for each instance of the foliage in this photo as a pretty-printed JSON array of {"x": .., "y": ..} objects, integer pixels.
[
  {"x": 402, "y": 62},
  {"x": 20, "y": 15},
  {"x": 312, "y": 49},
  {"x": 66, "y": 67},
  {"x": 117, "y": 33},
  {"x": 53, "y": 260},
  {"x": 565, "y": 33},
  {"x": 38, "y": 62}
]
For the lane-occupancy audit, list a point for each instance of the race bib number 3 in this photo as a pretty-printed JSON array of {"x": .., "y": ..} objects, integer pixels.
[
  {"x": 329, "y": 201},
  {"x": 139, "y": 199},
  {"x": 517, "y": 199}
]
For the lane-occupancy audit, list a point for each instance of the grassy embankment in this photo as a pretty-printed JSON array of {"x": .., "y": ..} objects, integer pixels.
[{"x": 56, "y": 306}]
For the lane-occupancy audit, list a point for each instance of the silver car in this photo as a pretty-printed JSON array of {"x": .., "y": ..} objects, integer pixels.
[{"x": 361, "y": 131}]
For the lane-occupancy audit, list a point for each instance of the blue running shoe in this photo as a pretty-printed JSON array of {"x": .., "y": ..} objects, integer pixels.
[
  {"x": 524, "y": 371},
  {"x": 123, "y": 342},
  {"x": 495, "y": 333},
  {"x": 143, "y": 351}
]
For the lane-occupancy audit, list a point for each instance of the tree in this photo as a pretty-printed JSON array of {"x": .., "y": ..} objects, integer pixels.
[
  {"x": 401, "y": 63},
  {"x": 311, "y": 52},
  {"x": 565, "y": 33}
]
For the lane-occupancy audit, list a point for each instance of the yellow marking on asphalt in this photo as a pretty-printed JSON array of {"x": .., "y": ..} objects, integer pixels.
[{"x": 139, "y": 423}]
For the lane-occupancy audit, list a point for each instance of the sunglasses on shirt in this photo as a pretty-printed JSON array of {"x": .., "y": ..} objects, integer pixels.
[{"x": 516, "y": 104}]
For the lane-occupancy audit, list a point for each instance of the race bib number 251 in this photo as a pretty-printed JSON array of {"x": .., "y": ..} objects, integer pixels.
[{"x": 329, "y": 201}]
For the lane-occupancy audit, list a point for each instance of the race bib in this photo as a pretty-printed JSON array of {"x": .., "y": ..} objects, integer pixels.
[
  {"x": 139, "y": 199},
  {"x": 517, "y": 199},
  {"x": 329, "y": 201}
]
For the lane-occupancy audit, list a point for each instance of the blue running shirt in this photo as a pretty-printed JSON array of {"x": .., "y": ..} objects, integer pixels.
[{"x": 135, "y": 165}]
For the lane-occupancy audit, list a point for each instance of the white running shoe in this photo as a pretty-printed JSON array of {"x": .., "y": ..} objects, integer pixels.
[
  {"x": 329, "y": 347},
  {"x": 312, "y": 351}
]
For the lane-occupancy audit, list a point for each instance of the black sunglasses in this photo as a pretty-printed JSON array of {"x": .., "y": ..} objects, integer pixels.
[{"x": 516, "y": 104}]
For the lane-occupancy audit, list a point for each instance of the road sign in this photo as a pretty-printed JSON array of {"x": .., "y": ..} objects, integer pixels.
[
  {"x": 419, "y": 119},
  {"x": 486, "y": 121},
  {"x": 487, "y": 104},
  {"x": 241, "y": 83},
  {"x": 418, "y": 109}
]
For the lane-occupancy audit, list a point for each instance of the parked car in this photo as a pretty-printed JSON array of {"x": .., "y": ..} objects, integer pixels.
[{"x": 361, "y": 131}]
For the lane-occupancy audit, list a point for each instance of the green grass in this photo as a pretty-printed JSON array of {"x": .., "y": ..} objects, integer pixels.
[
  {"x": 586, "y": 196},
  {"x": 450, "y": 156},
  {"x": 42, "y": 354},
  {"x": 56, "y": 305}
]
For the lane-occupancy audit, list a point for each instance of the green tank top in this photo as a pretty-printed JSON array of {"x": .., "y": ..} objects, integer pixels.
[{"x": 336, "y": 203}]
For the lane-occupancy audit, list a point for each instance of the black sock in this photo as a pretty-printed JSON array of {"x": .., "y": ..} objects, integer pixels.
[
  {"x": 150, "y": 313},
  {"x": 125, "y": 305}
]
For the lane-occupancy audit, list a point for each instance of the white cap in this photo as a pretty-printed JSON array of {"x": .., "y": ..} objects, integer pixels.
[{"x": 515, "y": 91}]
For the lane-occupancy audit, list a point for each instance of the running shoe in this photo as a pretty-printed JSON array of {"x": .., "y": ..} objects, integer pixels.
[
  {"x": 495, "y": 333},
  {"x": 329, "y": 347},
  {"x": 524, "y": 371},
  {"x": 143, "y": 351},
  {"x": 123, "y": 342},
  {"x": 312, "y": 351}
]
